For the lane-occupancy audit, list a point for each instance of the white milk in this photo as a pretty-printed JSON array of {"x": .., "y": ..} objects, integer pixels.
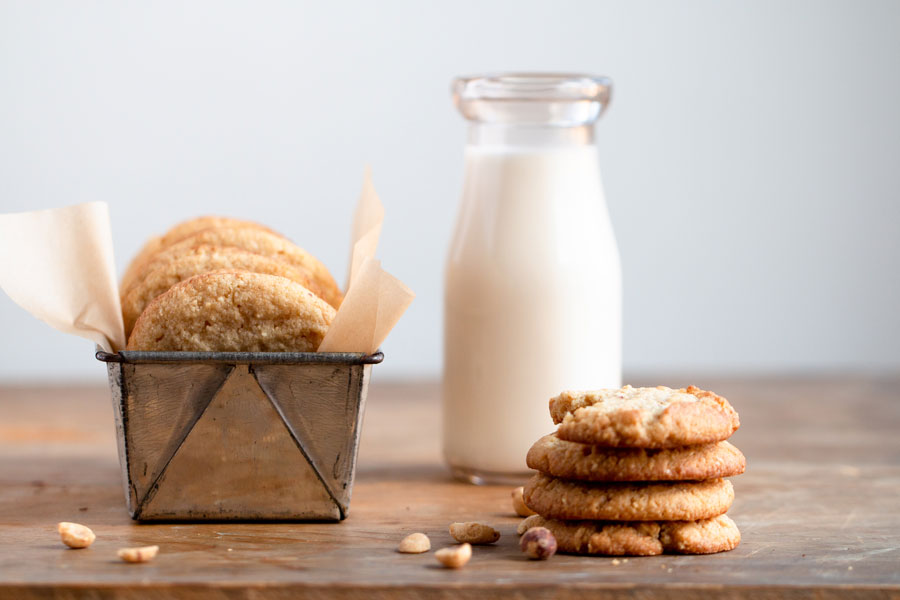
[{"x": 532, "y": 302}]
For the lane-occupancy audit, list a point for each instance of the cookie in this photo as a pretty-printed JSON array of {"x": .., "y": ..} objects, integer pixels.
[
  {"x": 673, "y": 501},
  {"x": 572, "y": 460},
  {"x": 645, "y": 538},
  {"x": 233, "y": 311},
  {"x": 643, "y": 417},
  {"x": 201, "y": 259},
  {"x": 177, "y": 233},
  {"x": 257, "y": 241}
]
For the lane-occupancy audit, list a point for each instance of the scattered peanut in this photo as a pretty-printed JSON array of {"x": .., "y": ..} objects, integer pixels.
[
  {"x": 526, "y": 524},
  {"x": 474, "y": 533},
  {"x": 518, "y": 502},
  {"x": 538, "y": 543},
  {"x": 454, "y": 556},
  {"x": 138, "y": 555},
  {"x": 414, "y": 543},
  {"x": 74, "y": 535}
]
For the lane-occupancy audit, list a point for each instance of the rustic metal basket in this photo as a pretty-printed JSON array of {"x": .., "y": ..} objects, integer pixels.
[{"x": 238, "y": 435}]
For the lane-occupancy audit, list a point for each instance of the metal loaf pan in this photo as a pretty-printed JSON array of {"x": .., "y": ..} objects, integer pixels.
[{"x": 210, "y": 436}]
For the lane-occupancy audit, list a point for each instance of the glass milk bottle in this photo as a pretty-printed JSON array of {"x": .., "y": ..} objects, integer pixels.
[{"x": 532, "y": 302}]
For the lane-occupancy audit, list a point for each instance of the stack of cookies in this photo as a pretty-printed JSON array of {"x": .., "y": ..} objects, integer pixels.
[
  {"x": 217, "y": 284},
  {"x": 637, "y": 471}
]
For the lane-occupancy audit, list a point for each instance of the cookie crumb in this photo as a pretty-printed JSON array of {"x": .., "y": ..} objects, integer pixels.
[
  {"x": 615, "y": 561},
  {"x": 850, "y": 568}
]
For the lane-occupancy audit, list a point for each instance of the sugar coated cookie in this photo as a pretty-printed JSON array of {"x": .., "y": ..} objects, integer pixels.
[
  {"x": 201, "y": 259},
  {"x": 174, "y": 235},
  {"x": 254, "y": 240},
  {"x": 233, "y": 311}
]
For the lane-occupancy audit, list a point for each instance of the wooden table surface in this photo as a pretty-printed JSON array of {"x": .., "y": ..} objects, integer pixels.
[{"x": 819, "y": 509}]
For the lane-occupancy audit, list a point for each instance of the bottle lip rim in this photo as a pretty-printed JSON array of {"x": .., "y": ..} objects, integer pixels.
[{"x": 533, "y": 87}]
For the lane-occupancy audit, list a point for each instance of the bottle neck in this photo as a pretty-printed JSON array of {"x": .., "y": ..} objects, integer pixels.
[{"x": 529, "y": 136}]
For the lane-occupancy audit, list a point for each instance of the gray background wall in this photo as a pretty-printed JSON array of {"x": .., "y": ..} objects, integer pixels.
[{"x": 750, "y": 154}]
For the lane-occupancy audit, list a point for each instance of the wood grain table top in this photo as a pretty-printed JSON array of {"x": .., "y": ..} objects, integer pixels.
[{"x": 819, "y": 510}]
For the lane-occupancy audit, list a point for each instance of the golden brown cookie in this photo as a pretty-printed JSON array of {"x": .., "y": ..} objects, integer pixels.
[
  {"x": 572, "y": 460},
  {"x": 630, "y": 417},
  {"x": 644, "y": 538},
  {"x": 672, "y": 501},
  {"x": 174, "y": 235},
  {"x": 201, "y": 259},
  {"x": 233, "y": 311},
  {"x": 257, "y": 241}
]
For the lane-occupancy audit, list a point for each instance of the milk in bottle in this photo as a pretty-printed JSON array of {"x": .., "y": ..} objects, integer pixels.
[{"x": 532, "y": 278}]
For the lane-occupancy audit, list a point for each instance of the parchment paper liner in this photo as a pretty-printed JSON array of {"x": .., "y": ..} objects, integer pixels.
[{"x": 58, "y": 265}]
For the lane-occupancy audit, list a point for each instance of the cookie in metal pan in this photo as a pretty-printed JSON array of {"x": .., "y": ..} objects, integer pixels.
[
  {"x": 233, "y": 311},
  {"x": 174, "y": 235},
  {"x": 258, "y": 241},
  {"x": 202, "y": 259}
]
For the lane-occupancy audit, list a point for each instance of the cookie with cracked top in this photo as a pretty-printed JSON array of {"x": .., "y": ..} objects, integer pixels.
[{"x": 644, "y": 417}]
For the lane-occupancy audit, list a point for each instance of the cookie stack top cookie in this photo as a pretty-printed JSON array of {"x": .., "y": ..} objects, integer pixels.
[
  {"x": 644, "y": 417},
  {"x": 637, "y": 471}
]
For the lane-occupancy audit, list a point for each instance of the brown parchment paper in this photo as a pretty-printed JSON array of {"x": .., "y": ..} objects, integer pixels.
[{"x": 58, "y": 265}]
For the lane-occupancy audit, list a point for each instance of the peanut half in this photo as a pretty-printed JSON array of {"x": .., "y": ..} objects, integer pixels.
[
  {"x": 414, "y": 543},
  {"x": 474, "y": 533},
  {"x": 526, "y": 524},
  {"x": 74, "y": 535},
  {"x": 518, "y": 502},
  {"x": 138, "y": 555},
  {"x": 454, "y": 556}
]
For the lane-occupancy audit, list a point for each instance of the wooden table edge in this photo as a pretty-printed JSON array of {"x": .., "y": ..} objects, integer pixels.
[{"x": 448, "y": 590}]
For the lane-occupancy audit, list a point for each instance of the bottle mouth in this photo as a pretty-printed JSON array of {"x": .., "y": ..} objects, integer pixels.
[{"x": 550, "y": 99}]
